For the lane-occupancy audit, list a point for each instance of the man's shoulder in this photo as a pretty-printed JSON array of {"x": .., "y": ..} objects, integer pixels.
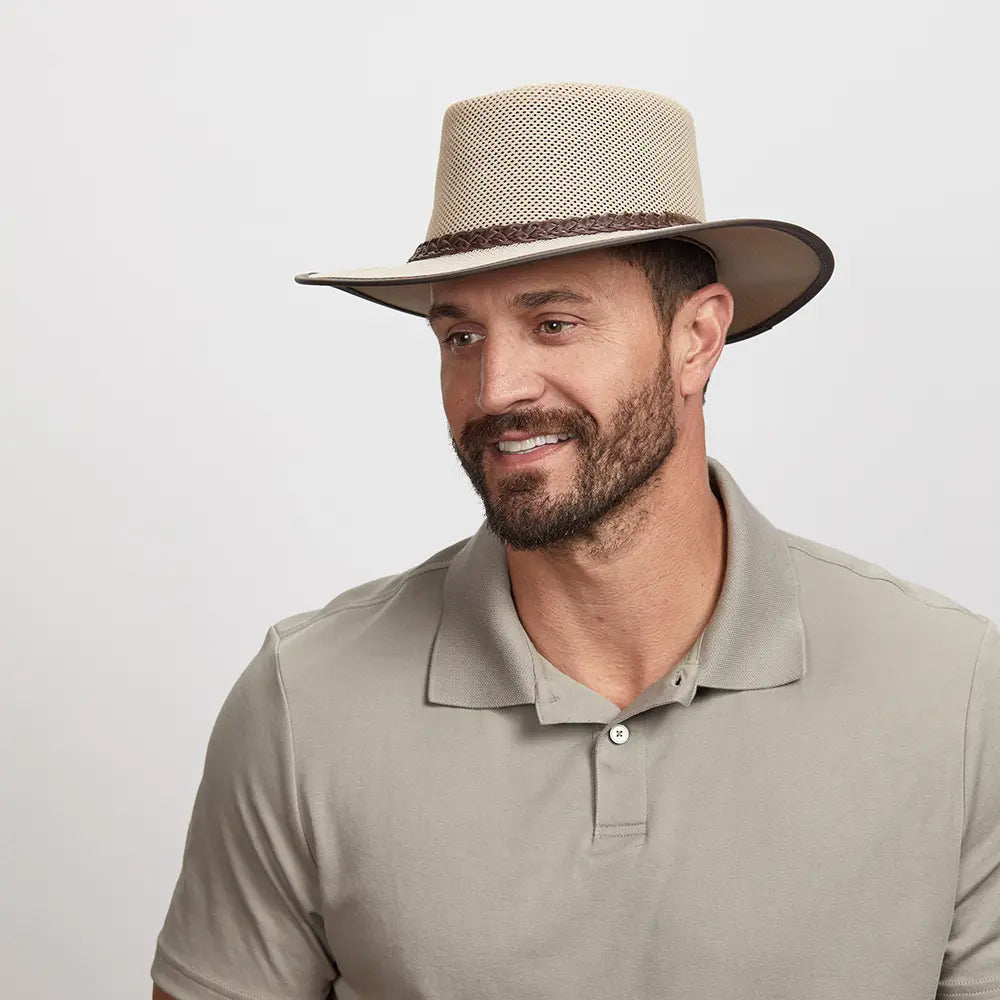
[
  {"x": 398, "y": 598},
  {"x": 838, "y": 581},
  {"x": 365, "y": 651}
]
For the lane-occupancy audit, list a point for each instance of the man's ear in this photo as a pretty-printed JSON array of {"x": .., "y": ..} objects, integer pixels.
[{"x": 700, "y": 329}]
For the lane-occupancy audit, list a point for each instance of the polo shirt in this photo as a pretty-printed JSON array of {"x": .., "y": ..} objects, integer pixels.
[{"x": 402, "y": 799}]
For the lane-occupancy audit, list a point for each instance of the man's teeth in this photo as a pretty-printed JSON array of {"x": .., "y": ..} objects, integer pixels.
[{"x": 528, "y": 444}]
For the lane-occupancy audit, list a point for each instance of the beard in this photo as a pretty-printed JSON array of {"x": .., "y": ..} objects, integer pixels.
[{"x": 610, "y": 467}]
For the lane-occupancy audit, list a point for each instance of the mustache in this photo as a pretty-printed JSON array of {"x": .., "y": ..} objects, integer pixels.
[{"x": 482, "y": 433}]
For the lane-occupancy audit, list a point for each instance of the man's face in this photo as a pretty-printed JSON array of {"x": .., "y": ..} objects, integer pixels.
[{"x": 571, "y": 345}]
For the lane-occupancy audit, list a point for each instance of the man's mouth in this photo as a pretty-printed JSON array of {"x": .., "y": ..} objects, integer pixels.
[{"x": 529, "y": 444}]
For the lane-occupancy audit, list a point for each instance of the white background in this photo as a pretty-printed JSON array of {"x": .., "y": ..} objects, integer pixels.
[{"x": 194, "y": 447}]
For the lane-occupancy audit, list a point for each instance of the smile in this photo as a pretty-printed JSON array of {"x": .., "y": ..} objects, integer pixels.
[{"x": 531, "y": 450}]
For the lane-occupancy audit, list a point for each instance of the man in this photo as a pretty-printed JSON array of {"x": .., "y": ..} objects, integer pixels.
[{"x": 629, "y": 738}]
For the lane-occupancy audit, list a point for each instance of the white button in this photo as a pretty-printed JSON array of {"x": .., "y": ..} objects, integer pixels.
[{"x": 618, "y": 734}]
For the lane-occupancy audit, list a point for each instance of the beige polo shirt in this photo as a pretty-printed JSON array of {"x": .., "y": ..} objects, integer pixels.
[{"x": 403, "y": 800}]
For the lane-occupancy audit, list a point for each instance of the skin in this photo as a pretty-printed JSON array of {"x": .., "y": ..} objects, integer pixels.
[{"x": 616, "y": 545}]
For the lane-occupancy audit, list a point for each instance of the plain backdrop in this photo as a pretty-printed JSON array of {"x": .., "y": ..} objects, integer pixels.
[{"x": 194, "y": 447}]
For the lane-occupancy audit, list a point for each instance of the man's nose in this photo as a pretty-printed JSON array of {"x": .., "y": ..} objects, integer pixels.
[{"x": 508, "y": 374}]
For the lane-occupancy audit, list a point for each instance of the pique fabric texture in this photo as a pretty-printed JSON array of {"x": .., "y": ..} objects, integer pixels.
[{"x": 402, "y": 798}]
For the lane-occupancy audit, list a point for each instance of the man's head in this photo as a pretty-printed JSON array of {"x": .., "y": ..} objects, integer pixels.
[{"x": 613, "y": 348}]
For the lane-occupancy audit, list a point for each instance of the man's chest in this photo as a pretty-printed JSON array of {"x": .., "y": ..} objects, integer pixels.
[{"x": 747, "y": 847}]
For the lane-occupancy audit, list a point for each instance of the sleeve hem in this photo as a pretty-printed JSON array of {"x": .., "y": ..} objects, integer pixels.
[
  {"x": 983, "y": 988},
  {"x": 186, "y": 984}
]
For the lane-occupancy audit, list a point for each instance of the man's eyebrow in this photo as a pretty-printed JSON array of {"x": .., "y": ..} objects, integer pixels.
[
  {"x": 526, "y": 300},
  {"x": 445, "y": 310},
  {"x": 532, "y": 300}
]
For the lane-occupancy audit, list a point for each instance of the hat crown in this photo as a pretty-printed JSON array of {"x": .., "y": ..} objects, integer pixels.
[{"x": 563, "y": 151}]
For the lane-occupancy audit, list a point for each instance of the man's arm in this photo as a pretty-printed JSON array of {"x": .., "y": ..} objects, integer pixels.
[
  {"x": 971, "y": 966},
  {"x": 245, "y": 916},
  {"x": 158, "y": 994}
]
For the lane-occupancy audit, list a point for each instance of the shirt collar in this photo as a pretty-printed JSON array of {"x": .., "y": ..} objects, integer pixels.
[{"x": 483, "y": 658}]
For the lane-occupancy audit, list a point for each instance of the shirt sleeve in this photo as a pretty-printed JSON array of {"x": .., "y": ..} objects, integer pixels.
[
  {"x": 971, "y": 966},
  {"x": 245, "y": 917}
]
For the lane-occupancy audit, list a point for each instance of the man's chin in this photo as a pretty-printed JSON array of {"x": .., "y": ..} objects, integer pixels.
[{"x": 524, "y": 532}]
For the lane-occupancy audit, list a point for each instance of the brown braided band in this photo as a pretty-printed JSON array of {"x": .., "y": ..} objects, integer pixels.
[{"x": 550, "y": 229}]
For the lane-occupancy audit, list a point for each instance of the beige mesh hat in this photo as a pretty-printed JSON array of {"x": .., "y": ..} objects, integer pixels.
[{"x": 556, "y": 168}]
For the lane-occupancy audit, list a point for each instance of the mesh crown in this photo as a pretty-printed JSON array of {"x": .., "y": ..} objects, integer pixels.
[{"x": 564, "y": 150}]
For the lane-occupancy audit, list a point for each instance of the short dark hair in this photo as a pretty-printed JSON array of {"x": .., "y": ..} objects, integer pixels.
[{"x": 674, "y": 268}]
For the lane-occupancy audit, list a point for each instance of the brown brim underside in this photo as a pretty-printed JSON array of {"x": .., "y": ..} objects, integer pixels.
[{"x": 773, "y": 268}]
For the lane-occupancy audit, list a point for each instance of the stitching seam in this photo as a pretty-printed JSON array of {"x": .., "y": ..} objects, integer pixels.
[
  {"x": 291, "y": 744},
  {"x": 993, "y": 989},
  {"x": 953, "y": 983},
  {"x": 203, "y": 980},
  {"x": 325, "y": 612},
  {"x": 883, "y": 579},
  {"x": 965, "y": 733}
]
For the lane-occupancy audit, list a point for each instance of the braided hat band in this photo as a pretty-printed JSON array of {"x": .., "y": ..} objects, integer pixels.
[{"x": 550, "y": 229}]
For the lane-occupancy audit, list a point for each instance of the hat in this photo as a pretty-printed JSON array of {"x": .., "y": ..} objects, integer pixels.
[{"x": 556, "y": 168}]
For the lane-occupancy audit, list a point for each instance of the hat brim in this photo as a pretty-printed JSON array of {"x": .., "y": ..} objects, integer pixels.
[{"x": 772, "y": 268}]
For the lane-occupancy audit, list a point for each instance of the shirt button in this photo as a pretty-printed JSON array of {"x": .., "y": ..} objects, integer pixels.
[{"x": 618, "y": 734}]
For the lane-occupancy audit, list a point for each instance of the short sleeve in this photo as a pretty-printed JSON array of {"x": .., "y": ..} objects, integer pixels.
[
  {"x": 245, "y": 917},
  {"x": 971, "y": 966}
]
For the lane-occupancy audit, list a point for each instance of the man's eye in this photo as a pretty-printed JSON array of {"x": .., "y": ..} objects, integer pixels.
[{"x": 547, "y": 325}]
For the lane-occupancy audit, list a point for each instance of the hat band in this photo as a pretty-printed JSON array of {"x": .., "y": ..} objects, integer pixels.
[{"x": 549, "y": 229}]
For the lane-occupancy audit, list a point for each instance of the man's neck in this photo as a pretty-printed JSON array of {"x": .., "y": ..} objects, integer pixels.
[{"x": 619, "y": 610}]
